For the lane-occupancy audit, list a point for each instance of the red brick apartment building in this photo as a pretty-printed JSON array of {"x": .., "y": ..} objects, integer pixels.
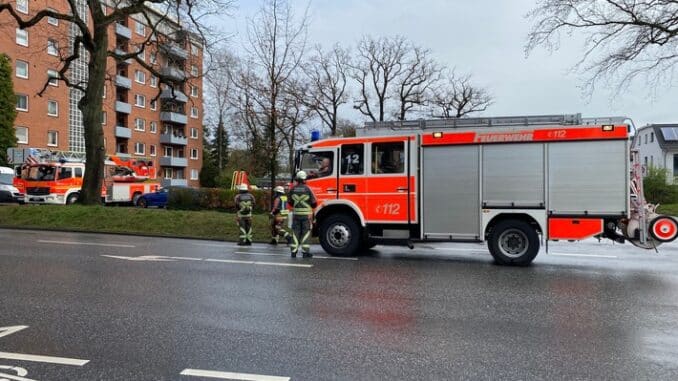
[{"x": 167, "y": 132}]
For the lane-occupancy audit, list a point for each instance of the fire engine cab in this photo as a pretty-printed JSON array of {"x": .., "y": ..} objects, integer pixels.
[{"x": 507, "y": 181}]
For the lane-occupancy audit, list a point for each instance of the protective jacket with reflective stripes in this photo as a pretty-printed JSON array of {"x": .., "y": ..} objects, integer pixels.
[{"x": 302, "y": 200}]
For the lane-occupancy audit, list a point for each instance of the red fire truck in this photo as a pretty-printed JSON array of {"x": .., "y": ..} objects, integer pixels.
[{"x": 507, "y": 181}]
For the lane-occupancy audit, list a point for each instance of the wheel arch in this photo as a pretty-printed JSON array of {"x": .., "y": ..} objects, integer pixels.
[
  {"x": 529, "y": 218},
  {"x": 331, "y": 207}
]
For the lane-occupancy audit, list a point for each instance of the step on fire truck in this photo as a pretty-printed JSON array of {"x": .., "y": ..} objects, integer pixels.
[
  {"x": 505, "y": 181},
  {"x": 55, "y": 177}
]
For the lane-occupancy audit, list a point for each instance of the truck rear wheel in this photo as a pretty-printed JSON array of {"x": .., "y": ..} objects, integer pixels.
[
  {"x": 72, "y": 198},
  {"x": 340, "y": 235},
  {"x": 513, "y": 243}
]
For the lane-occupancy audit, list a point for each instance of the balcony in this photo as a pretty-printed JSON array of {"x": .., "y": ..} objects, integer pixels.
[
  {"x": 123, "y": 132},
  {"x": 123, "y": 31},
  {"x": 173, "y": 73},
  {"x": 121, "y": 52},
  {"x": 124, "y": 107},
  {"x": 174, "y": 183},
  {"x": 171, "y": 161},
  {"x": 174, "y": 50},
  {"x": 171, "y": 139},
  {"x": 123, "y": 82},
  {"x": 173, "y": 117},
  {"x": 176, "y": 96}
]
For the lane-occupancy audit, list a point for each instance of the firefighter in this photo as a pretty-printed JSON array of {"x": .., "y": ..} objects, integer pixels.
[
  {"x": 244, "y": 203},
  {"x": 279, "y": 214},
  {"x": 302, "y": 200}
]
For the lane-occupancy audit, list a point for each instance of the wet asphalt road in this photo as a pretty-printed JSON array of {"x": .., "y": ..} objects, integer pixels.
[{"x": 587, "y": 311}]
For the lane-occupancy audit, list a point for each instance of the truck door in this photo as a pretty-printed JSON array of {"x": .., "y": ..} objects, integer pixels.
[
  {"x": 388, "y": 180},
  {"x": 321, "y": 168},
  {"x": 352, "y": 180}
]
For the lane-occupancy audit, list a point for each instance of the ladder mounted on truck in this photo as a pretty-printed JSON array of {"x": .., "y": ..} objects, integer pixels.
[
  {"x": 376, "y": 128},
  {"x": 43, "y": 155}
]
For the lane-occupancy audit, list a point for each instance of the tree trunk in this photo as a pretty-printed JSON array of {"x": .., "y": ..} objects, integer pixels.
[
  {"x": 91, "y": 105},
  {"x": 220, "y": 141}
]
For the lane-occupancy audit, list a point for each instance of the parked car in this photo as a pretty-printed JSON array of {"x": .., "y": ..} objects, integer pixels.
[
  {"x": 157, "y": 198},
  {"x": 8, "y": 192}
]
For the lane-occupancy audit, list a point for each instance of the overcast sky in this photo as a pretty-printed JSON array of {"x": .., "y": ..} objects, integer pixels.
[{"x": 485, "y": 38}]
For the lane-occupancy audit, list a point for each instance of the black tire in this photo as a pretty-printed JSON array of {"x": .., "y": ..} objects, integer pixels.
[
  {"x": 368, "y": 244},
  {"x": 340, "y": 235},
  {"x": 513, "y": 243},
  {"x": 142, "y": 203},
  {"x": 135, "y": 198},
  {"x": 72, "y": 198}
]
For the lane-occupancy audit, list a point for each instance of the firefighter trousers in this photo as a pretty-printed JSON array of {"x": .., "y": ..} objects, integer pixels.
[
  {"x": 245, "y": 225},
  {"x": 278, "y": 228},
  {"x": 301, "y": 234}
]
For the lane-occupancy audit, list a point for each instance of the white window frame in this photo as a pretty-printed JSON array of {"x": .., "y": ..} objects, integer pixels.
[
  {"x": 136, "y": 124},
  {"x": 153, "y": 127},
  {"x": 23, "y": 33},
  {"x": 165, "y": 171},
  {"x": 168, "y": 149},
  {"x": 139, "y": 28},
  {"x": 194, "y": 133},
  {"x": 194, "y": 70},
  {"x": 16, "y": 70},
  {"x": 22, "y": 109},
  {"x": 56, "y": 105},
  {"x": 138, "y": 97},
  {"x": 56, "y": 138},
  {"x": 54, "y": 77},
  {"x": 53, "y": 44},
  {"x": 153, "y": 58},
  {"x": 195, "y": 174},
  {"x": 104, "y": 118},
  {"x": 195, "y": 115},
  {"x": 18, "y": 138},
  {"x": 194, "y": 91},
  {"x": 153, "y": 104},
  {"x": 196, "y": 156},
  {"x": 152, "y": 151},
  {"x": 136, "y": 148},
  {"x": 137, "y": 74},
  {"x": 52, "y": 20},
  {"x": 20, "y": 8},
  {"x": 154, "y": 81},
  {"x": 195, "y": 50}
]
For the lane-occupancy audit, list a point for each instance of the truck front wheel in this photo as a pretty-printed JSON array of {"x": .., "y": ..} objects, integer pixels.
[
  {"x": 340, "y": 235},
  {"x": 513, "y": 243}
]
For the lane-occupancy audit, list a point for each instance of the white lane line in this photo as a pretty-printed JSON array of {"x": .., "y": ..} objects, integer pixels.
[
  {"x": 6, "y": 331},
  {"x": 582, "y": 255},
  {"x": 44, "y": 359},
  {"x": 235, "y": 261},
  {"x": 231, "y": 375},
  {"x": 186, "y": 258},
  {"x": 85, "y": 243},
  {"x": 287, "y": 254}
]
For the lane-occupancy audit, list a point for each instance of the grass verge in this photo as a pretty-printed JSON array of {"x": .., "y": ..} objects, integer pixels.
[
  {"x": 670, "y": 209},
  {"x": 127, "y": 220}
]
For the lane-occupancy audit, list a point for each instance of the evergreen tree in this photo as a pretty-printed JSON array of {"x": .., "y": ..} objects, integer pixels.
[
  {"x": 210, "y": 170},
  {"x": 7, "y": 108}
]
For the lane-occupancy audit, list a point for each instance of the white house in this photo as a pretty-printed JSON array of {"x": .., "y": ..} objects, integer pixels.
[{"x": 658, "y": 146}]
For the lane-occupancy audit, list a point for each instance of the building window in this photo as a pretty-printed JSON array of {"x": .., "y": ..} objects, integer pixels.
[
  {"x": 52, "y": 138},
  {"x": 103, "y": 117},
  {"x": 168, "y": 151},
  {"x": 194, "y": 91},
  {"x": 140, "y": 124},
  {"x": 22, "y": 102},
  {"x": 646, "y": 139},
  {"x": 194, "y": 153},
  {"x": 651, "y": 137},
  {"x": 194, "y": 133},
  {"x": 22, "y": 69},
  {"x": 22, "y": 6},
  {"x": 154, "y": 81},
  {"x": 21, "y": 37},
  {"x": 154, "y": 104},
  {"x": 151, "y": 150},
  {"x": 52, "y": 108},
  {"x": 52, "y": 20},
  {"x": 139, "y": 148},
  {"x": 140, "y": 28},
  {"x": 53, "y": 77},
  {"x": 140, "y": 76},
  {"x": 153, "y": 127},
  {"x": 194, "y": 70},
  {"x": 153, "y": 58},
  {"x": 167, "y": 173},
  {"x": 194, "y": 174},
  {"x": 194, "y": 49},
  {"x": 22, "y": 135},
  {"x": 194, "y": 112},
  {"x": 52, "y": 48},
  {"x": 140, "y": 100}
]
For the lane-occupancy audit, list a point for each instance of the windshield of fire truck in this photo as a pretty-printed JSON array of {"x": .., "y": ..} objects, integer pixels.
[
  {"x": 42, "y": 173},
  {"x": 316, "y": 164}
]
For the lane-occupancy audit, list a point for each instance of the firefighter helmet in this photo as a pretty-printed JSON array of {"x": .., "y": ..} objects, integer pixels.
[
  {"x": 301, "y": 175},
  {"x": 279, "y": 189},
  {"x": 243, "y": 187}
]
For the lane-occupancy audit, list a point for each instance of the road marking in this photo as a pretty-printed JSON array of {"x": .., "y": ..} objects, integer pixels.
[
  {"x": 21, "y": 372},
  {"x": 235, "y": 261},
  {"x": 231, "y": 375},
  {"x": 45, "y": 359},
  {"x": 582, "y": 255},
  {"x": 6, "y": 331},
  {"x": 285, "y": 255},
  {"x": 148, "y": 258},
  {"x": 85, "y": 243}
]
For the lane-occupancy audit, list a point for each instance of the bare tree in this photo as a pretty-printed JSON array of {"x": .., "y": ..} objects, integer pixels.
[
  {"x": 220, "y": 83},
  {"x": 89, "y": 47},
  {"x": 327, "y": 73},
  {"x": 294, "y": 113},
  {"x": 419, "y": 74},
  {"x": 624, "y": 38},
  {"x": 457, "y": 97},
  {"x": 379, "y": 62}
]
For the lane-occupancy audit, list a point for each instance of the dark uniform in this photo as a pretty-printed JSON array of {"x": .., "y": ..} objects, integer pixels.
[
  {"x": 244, "y": 203},
  {"x": 302, "y": 200},
  {"x": 279, "y": 215}
]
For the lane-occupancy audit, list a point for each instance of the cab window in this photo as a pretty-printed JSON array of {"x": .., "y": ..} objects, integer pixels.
[
  {"x": 78, "y": 172},
  {"x": 352, "y": 159},
  {"x": 388, "y": 157},
  {"x": 66, "y": 173},
  {"x": 318, "y": 164}
]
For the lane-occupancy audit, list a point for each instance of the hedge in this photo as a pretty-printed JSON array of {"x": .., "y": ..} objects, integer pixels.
[{"x": 213, "y": 199}]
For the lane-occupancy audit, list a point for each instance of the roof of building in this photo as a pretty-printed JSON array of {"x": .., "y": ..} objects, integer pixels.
[{"x": 666, "y": 134}]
